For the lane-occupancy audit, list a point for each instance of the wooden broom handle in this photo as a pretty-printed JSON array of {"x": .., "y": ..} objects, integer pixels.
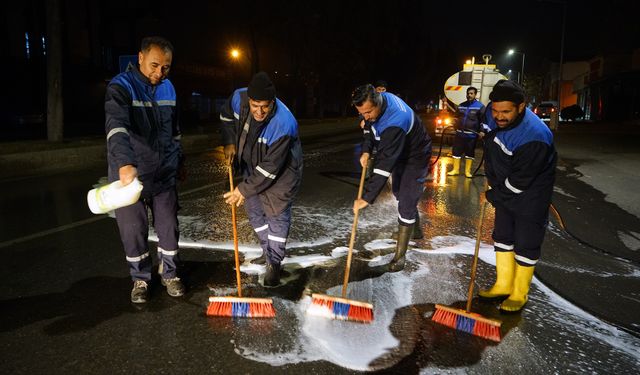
[
  {"x": 475, "y": 255},
  {"x": 235, "y": 232},
  {"x": 352, "y": 240}
]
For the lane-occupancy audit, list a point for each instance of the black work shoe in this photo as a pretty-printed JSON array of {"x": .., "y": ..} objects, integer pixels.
[
  {"x": 272, "y": 277},
  {"x": 140, "y": 291},
  {"x": 262, "y": 259},
  {"x": 175, "y": 288}
]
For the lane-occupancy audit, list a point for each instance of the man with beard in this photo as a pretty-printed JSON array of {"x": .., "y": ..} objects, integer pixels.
[{"x": 520, "y": 162}]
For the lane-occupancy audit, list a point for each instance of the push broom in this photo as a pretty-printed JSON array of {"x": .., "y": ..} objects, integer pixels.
[
  {"x": 239, "y": 306},
  {"x": 465, "y": 320},
  {"x": 342, "y": 308}
]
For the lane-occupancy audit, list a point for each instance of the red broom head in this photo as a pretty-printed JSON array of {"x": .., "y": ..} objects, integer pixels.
[
  {"x": 241, "y": 307},
  {"x": 472, "y": 323}
]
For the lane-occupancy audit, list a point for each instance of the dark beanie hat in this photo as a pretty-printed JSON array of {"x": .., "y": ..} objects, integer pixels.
[
  {"x": 261, "y": 87},
  {"x": 507, "y": 91}
]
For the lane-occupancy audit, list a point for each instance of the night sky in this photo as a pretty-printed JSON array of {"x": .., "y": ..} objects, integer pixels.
[
  {"x": 412, "y": 44},
  {"x": 316, "y": 52}
]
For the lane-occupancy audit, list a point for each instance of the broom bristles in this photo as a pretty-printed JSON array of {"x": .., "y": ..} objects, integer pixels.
[
  {"x": 241, "y": 307},
  {"x": 340, "y": 308},
  {"x": 472, "y": 323}
]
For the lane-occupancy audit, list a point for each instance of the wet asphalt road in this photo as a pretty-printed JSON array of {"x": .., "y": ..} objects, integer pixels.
[{"x": 65, "y": 293}]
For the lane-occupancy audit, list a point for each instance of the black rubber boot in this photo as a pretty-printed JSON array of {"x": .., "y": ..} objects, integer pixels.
[
  {"x": 397, "y": 263},
  {"x": 417, "y": 230},
  {"x": 262, "y": 259},
  {"x": 272, "y": 277}
]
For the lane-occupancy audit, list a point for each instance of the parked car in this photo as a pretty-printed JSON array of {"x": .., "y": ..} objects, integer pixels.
[
  {"x": 572, "y": 113},
  {"x": 545, "y": 109}
]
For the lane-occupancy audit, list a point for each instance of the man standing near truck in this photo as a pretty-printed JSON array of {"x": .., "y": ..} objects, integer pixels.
[{"x": 468, "y": 126}]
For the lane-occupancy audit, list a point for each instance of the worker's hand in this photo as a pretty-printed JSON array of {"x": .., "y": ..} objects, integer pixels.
[
  {"x": 364, "y": 159},
  {"x": 481, "y": 135},
  {"x": 229, "y": 153},
  {"x": 127, "y": 173},
  {"x": 362, "y": 124},
  {"x": 359, "y": 204},
  {"x": 234, "y": 197}
]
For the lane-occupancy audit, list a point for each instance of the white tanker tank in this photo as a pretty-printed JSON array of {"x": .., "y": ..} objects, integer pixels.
[{"x": 481, "y": 76}]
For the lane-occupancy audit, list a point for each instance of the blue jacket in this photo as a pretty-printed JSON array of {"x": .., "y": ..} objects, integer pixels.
[
  {"x": 470, "y": 116},
  {"x": 520, "y": 165},
  {"x": 270, "y": 157},
  {"x": 400, "y": 138},
  {"x": 141, "y": 123}
]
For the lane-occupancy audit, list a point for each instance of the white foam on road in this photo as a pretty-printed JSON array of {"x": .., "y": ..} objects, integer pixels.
[{"x": 356, "y": 346}]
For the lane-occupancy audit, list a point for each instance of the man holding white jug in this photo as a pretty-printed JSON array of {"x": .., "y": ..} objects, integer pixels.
[{"x": 143, "y": 142}]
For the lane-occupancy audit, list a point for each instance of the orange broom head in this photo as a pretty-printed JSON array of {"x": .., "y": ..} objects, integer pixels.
[
  {"x": 468, "y": 322},
  {"x": 241, "y": 307},
  {"x": 340, "y": 308}
]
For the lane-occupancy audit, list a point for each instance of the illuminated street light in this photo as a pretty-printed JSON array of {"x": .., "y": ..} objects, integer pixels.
[
  {"x": 234, "y": 53},
  {"x": 521, "y": 77}
]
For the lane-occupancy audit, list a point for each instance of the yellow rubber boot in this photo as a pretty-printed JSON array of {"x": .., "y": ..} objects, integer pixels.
[
  {"x": 519, "y": 297},
  {"x": 456, "y": 168},
  {"x": 467, "y": 167},
  {"x": 505, "y": 270}
]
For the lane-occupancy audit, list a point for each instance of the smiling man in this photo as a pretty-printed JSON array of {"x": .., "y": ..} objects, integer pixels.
[
  {"x": 143, "y": 141},
  {"x": 260, "y": 137},
  {"x": 520, "y": 163}
]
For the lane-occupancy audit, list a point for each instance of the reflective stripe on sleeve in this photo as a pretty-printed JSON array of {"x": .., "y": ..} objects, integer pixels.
[
  {"x": 511, "y": 187},
  {"x": 140, "y": 103},
  {"x": 115, "y": 131},
  {"x": 381, "y": 172},
  {"x": 265, "y": 173}
]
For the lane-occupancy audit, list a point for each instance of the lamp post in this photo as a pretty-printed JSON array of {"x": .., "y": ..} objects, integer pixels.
[
  {"x": 521, "y": 76},
  {"x": 236, "y": 56}
]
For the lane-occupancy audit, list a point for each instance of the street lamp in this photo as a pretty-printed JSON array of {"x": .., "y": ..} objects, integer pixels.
[{"x": 521, "y": 77}]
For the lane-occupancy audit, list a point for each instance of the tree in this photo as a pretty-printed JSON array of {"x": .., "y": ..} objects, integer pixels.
[{"x": 55, "y": 111}]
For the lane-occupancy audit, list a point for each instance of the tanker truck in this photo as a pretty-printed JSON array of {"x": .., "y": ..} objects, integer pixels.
[{"x": 481, "y": 76}]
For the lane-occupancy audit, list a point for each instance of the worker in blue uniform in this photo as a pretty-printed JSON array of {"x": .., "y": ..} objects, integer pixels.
[
  {"x": 260, "y": 137},
  {"x": 143, "y": 141},
  {"x": 520, "y": 161},
  {"x": 403, "y": 152},
  {"x": 468, "y": 126}
]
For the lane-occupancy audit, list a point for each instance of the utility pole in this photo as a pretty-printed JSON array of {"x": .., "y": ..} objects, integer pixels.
[
  {"x": 55, "y": 114},
  {"x": 564, "y": 18}
]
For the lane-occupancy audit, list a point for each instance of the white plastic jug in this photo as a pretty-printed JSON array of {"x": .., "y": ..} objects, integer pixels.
[{"x": 109, "y": 197}]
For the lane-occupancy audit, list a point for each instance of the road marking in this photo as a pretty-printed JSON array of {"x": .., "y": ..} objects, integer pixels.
[{"x": 88, "y": 221}]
